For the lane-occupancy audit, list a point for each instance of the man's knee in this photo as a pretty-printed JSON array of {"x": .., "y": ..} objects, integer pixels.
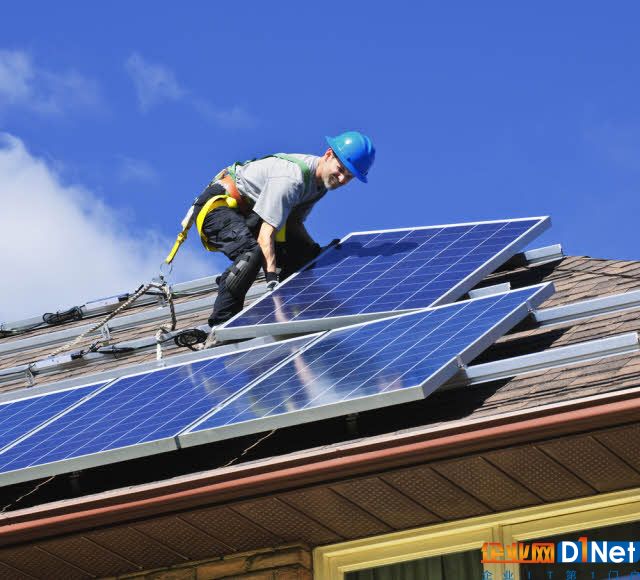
[{"x": 243, "y": 272}]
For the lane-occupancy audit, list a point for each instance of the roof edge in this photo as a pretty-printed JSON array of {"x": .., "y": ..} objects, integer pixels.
[{"x": 301, "y": 469}]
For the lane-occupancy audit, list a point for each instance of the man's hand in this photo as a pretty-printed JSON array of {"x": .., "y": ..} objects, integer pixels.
[{"x": 272, "y": 280}]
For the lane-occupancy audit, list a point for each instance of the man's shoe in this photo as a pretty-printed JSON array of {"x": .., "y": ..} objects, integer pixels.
[{"x": 211, "y": 340}]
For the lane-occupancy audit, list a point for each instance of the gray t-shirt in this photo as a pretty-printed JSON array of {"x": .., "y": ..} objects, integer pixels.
[{"x": 278, "y": 189}]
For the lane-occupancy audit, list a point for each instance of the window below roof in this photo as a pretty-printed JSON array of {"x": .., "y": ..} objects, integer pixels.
[
  {"x": 614, "y": 517},
  {"x": 447, "y": 567},
  {"x": 607, "y": 538}
]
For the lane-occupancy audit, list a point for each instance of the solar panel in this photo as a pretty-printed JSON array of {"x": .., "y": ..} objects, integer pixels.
[
  {"x": 138, "y": 415},
  {"x": 19, "y": 417},
  {"x": 370, "y": 365},
  {"x": 384, "y": 272}
]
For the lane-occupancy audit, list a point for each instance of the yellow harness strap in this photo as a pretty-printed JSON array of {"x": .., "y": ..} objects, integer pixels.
[
  {"x": 281, "y": 235},
  {"x": 214, "y": 203},
  {"x": 188, "y": 222},
  {"x": 182, "y": 236},
  {"x": 229, "y": 200}
]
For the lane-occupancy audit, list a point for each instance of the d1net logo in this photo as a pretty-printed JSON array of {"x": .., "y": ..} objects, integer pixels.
[
  {"x": 581, "y": 551},
  {"x": 598, "y": 552}
]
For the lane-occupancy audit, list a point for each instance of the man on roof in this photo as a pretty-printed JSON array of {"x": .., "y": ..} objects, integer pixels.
[{"x": 254, "y": 213}]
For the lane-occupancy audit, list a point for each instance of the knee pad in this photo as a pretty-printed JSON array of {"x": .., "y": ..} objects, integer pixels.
[{"x": 243, "y": 272}]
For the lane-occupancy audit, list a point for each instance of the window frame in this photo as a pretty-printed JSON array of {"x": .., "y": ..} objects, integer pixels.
[{"x": 334, "y": 561}]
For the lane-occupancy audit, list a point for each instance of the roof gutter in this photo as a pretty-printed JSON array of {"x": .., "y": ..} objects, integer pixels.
[{"x": 324, "y": 465}]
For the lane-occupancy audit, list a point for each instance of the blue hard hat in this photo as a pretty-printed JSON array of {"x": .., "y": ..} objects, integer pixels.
[{"x": 355, "y": 151}]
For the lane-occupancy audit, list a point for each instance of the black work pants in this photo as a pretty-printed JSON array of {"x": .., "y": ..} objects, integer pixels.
[{"x": 234, "y": 234}]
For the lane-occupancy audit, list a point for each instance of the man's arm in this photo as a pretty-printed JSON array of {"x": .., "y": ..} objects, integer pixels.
[{"x": 266, "y": 241}]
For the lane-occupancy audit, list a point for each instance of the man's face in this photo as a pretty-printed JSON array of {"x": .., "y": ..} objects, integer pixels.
[{"x": 334, "y": 174}]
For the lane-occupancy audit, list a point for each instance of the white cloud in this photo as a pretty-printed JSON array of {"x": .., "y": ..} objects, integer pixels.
[
  {"x": 16, "y": 75},
  {"x": 235, "y": 118},
  {"x": 43, "y": 91},
  {"x": 153, "y": 82},
  {"x": 63, "y": 246},
  {"x": 136, "y": 170},
  {"x": 156, "y": 84}
]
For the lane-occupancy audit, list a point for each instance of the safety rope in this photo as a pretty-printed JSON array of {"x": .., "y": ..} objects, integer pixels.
[
  {"x": 165, "y": 328},
  {"x": 167, "y": 291},
  {"x": 190, "y": 337},
  {"x": 163, "y": 286}
]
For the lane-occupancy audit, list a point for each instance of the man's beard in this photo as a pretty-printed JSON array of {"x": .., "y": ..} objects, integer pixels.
[{"x": 330, "y": 182}]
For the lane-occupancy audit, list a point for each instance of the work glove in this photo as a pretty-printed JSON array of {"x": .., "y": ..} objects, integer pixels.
[{"x": 272, "y": 280}]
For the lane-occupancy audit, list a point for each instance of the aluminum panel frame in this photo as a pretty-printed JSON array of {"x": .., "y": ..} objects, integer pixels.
[{"x": 88, "y": 461}]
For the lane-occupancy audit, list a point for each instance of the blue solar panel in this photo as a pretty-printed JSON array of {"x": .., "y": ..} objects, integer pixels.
[
  {"x": 388, "y": 272},
  {"x": 150, "y": 408},
  {"x": 372, "y": 365},
  {"x": 19, "y": 417}
]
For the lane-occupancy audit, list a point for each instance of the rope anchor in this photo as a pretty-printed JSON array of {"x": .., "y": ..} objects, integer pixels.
[{"x": 161, "y": 285}]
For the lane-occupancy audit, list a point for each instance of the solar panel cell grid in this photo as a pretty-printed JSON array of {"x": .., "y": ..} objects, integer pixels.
[
  {"x": 389, "y": 271},
  {"x": 377, "y": 358},
  {"x": 366, "y": 366},
  {"x": 145, "y": 408},
  {"x": 17, "y": 418}
]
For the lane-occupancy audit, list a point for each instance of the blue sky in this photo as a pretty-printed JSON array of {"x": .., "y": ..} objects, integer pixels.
[{"x": 114, "y": 116}]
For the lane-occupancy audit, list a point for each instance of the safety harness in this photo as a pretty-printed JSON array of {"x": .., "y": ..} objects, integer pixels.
[{"x": 233, "y": 199}]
